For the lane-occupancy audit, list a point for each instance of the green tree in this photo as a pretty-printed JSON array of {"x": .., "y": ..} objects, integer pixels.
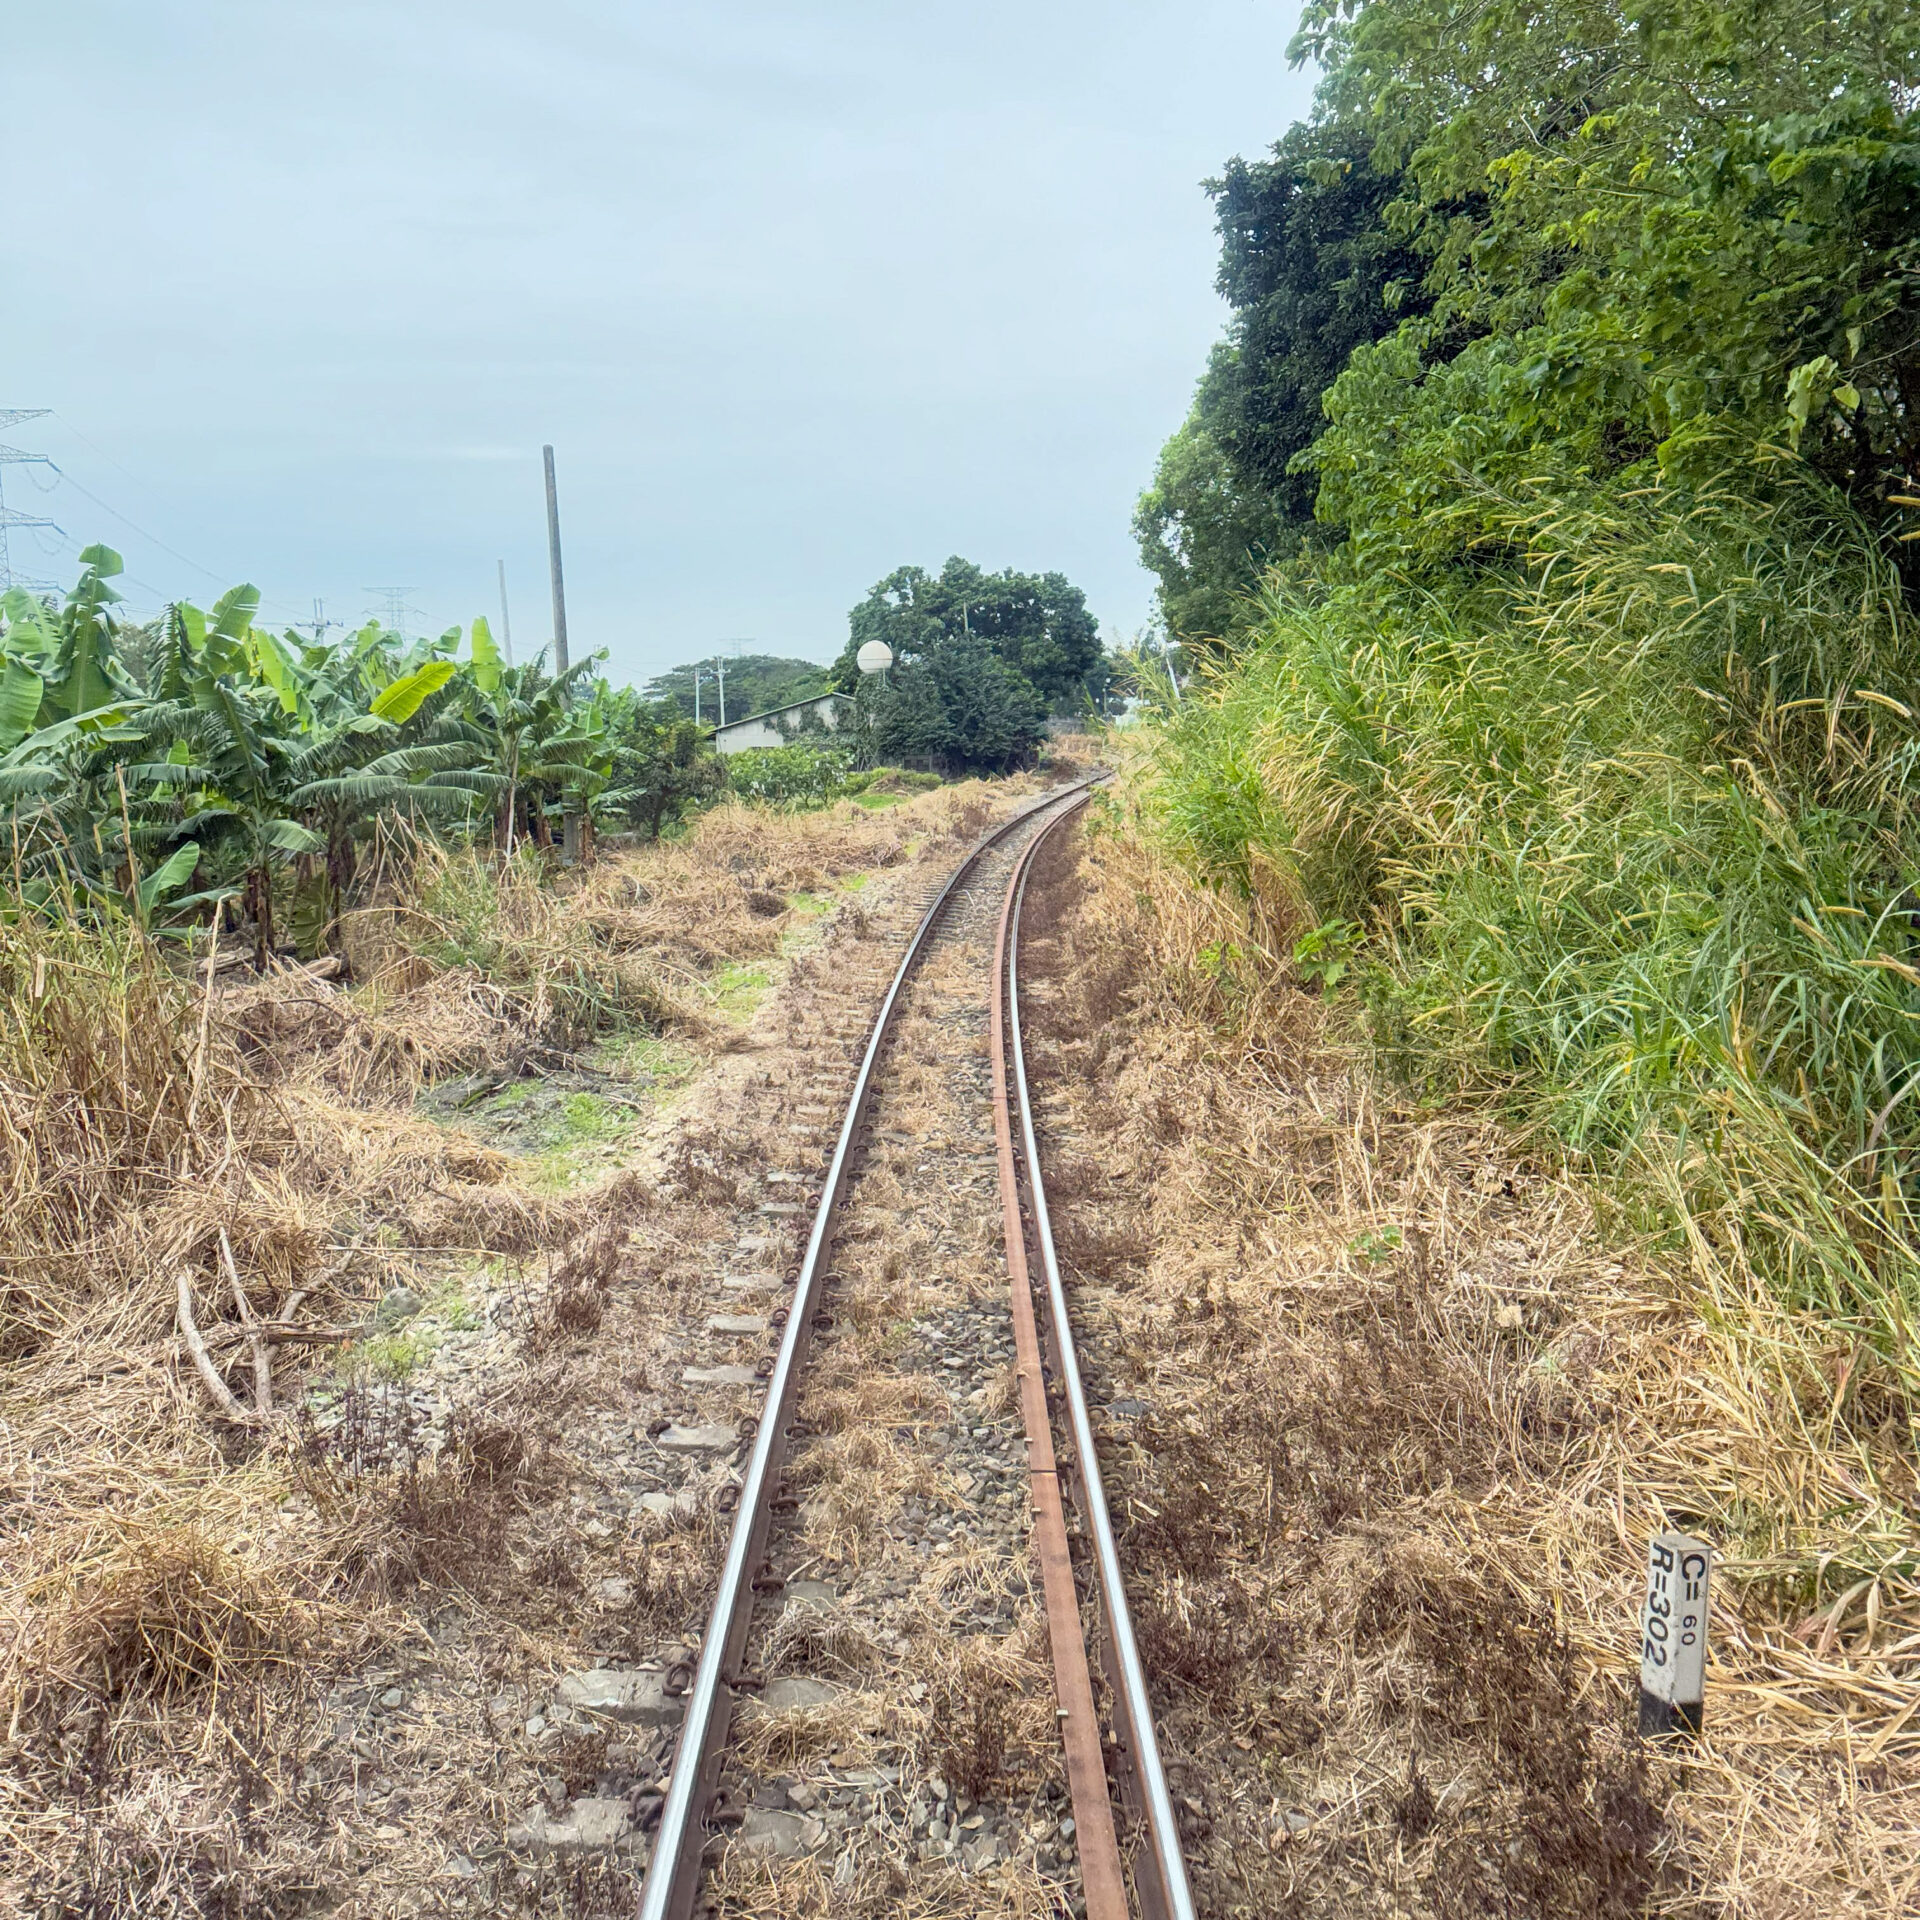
[
  {"x": 663, "y": 765},
  {"x": 955, "y": 705},
  {"x": 1036, "y": 624},
  {"x": 755, "y": 683},
  {"x": 535, "y": 740},
  {"x": 1662, "y": 238},
  {"x": 61, "y": 660},
  {"x": 1311, "y": 269},
  {"x": 1204, "y": 533}
]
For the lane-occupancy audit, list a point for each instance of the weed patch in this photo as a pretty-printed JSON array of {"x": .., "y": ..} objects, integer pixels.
[{"x": 1406, "y": 1416}]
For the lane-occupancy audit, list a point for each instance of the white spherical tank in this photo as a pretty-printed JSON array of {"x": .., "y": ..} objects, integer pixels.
[{"x": 875, "y": 657}]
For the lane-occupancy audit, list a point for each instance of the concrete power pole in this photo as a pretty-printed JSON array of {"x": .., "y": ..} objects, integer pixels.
[
  {"x": 576, "y": 827},
  {"x": 553, "y": 561}
]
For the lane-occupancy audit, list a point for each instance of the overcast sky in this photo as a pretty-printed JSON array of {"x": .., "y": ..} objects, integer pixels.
[{"x": 799, "y": 294}]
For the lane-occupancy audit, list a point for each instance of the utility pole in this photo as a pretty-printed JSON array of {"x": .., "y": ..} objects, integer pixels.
[
  {"x": 553, "y": 561},
  {"x": 696, "y": 696},
  {"x": 576, "y": 826},
  {"x": 320, "y": 623},
  {"x": 506, "y": 625},
  {"x": 13, "y": 457},
  {"x": 720, "y": 668}
]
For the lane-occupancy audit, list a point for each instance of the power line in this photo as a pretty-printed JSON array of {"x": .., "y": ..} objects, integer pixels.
[
  {"x": 153, "y": 539},
  {"x": 219, "y": 579}
]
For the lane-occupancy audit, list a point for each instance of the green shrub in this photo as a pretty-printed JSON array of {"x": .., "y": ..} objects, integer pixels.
[
  {"x": 1631, "y": 828},
  {"x": 796, "y": 778}
]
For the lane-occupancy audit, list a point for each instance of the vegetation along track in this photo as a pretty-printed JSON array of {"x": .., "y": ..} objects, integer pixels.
[{"x": 877, "y": 1575}]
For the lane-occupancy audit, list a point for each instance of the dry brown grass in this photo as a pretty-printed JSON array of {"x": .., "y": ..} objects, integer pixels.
[
  {"x": 173, "y": 1586},
  {"x": 1412, "y": 1416}
]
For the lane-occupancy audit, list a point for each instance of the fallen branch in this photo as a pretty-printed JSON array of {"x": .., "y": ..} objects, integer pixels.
[
  {"x": 262, "y": 1360},
  {"x": 209, "y": 1373},
  {"x": 282, "y": 1333}
]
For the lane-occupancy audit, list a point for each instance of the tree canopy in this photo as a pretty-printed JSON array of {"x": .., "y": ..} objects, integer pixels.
[
  {"x": 1550, "y": 239},
  {"x": 1658, "y": 240},
  {"x": 755, "y": 682},
  {"x": 1036, "y": 624},
  {"x": 954, "y": 704},
  {"x": 1310, "y": 270}
]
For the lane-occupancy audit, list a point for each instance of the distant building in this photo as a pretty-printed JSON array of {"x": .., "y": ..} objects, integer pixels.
[{"x": 800, "y": 723}]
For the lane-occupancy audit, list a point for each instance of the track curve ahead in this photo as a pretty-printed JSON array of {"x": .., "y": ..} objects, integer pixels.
[{"x": 674, "y": 1878}]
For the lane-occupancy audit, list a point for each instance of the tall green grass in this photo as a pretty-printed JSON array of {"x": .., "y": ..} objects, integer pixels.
[{"x": 1628, "y": 815}]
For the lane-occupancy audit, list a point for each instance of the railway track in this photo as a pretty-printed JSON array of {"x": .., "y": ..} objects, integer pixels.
[{"x": 885, "y": 1588}]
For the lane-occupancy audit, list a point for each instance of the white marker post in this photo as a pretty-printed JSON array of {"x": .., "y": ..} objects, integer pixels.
[{"x": 1673, "y": 1635}]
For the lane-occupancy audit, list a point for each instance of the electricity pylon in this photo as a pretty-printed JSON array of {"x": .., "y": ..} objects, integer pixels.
[{"x": 14, "y": 457}]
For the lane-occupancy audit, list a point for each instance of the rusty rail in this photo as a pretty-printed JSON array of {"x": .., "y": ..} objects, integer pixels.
[{"x": 1160, "y": 1874}]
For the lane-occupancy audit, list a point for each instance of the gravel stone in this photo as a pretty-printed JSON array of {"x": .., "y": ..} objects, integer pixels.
[
  {"x": 793, "y": 1690},
  {"x": 767, "y": 1833},
  {"x": 396, "y": 1304},
  {"x": 714, "y": 1439},
  {"x": 588, "y": 1826},
  {"x": 637, "y": 1698}
]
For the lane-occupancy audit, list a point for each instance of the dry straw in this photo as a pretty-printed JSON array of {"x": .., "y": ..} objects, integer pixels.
[
  {"x": 1412, "y": 1416},
  {"x": 180, "y": 1573}
]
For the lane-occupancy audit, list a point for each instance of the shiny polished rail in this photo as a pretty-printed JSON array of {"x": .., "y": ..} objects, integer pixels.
[{"x": 673, "y": 1876}]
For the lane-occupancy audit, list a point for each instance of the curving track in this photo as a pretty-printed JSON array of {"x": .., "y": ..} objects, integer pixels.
[{"x": 956, "y": 987}]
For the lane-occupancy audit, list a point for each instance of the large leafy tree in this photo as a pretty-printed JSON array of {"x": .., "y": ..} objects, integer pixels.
[
  {"x": 953, "y": 704},
  {"x": 1311, "y": 269},
  {"x": 1663, "y": 238},
  {"x": 1035, "y": 624}
]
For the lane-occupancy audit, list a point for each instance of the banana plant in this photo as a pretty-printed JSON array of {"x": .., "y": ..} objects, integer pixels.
[
  {"x": 537, "y": 738},
  {"x": 60, "y": 664}
]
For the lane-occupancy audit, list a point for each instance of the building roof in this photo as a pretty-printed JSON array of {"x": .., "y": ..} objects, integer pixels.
[{"x": 792, "y": 706}]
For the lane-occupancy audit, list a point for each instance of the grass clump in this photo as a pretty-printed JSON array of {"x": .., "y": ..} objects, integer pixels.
[
  {"x": 1401, "y": 1418},
  {"x": 114, "y": 1094},
  {"x": 1628, "y": 824},
  {"x": 544, "y": 965}
]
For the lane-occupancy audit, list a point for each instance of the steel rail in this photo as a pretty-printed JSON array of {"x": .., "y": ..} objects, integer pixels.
[
  {"x": 1102, "y": 1878},
  {"x": 673, "y": 1873},
  {"x": 1166, "y": 1896}
]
